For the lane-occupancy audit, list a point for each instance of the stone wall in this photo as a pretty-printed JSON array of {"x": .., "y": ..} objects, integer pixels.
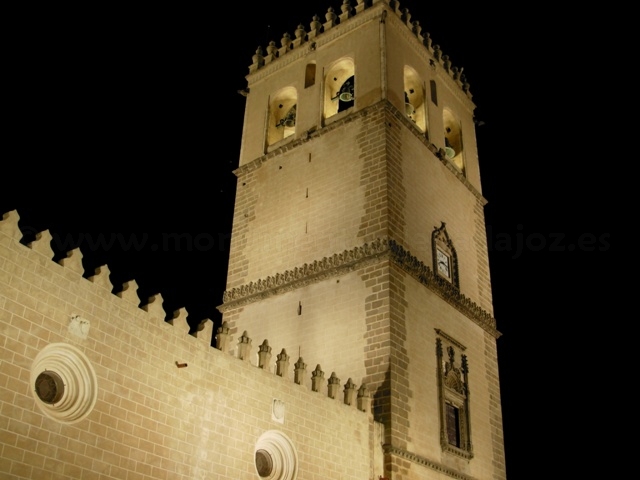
[{"x": 152, "y": 402}]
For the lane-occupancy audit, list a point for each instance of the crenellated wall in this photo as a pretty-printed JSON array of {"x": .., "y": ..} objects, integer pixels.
[
  {"x": 304, "y": 39},
  {"x": 142, "y": 399}
]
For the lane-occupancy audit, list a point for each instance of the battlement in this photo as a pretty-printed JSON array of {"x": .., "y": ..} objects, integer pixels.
[
  {"x": 98, "y": 384},
  {"x": 74, "y": 271},
  {"x": 73, "y": 264},
  {"x": 307, "y": 39}
]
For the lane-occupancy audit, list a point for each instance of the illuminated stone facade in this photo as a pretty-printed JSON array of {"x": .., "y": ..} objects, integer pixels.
[{"x": 358, "y": 339}]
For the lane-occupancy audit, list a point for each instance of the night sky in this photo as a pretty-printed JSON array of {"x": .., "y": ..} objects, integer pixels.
[{"x": 129, "y": 124}]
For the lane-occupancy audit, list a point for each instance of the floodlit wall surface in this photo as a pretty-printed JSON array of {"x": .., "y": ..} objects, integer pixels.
[
  {"x": 425, "y": 317},
  {"x": 341, "y": 343},
  {"x": 167, "y": 405}
]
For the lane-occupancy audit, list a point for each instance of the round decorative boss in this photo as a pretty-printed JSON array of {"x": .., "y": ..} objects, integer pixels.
[
  {"x": 64, "y": 383},
  {"x": 275, "y": 457}
]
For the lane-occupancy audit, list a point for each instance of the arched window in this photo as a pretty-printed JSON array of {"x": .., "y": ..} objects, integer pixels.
[
  {"x": 339, "y": 88},
  {"x": 281, "y": 121},
  {"x": 414, "y": 96},
  {"x": 453, "y": 139}
]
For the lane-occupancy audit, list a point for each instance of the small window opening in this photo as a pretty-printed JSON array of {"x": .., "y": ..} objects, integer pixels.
[
  {"x": 310, "y": 75},
  {"x": 453, "y": 425}
]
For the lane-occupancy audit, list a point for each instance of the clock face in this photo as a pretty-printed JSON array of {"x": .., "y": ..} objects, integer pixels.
[{"x": 443, "y": 263}]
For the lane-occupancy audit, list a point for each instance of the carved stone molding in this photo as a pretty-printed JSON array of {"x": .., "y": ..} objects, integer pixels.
[
  {"x": 383, "y": 104},
  {"x": 450, "y": 339},
  {"x": 347, "y": 261},
  {"x": 425, "y": 462},
  {"x": 64, "y": 383},
  {"x": 307, "y": 274},
  {"x": 309, "y": 135},
  {"x": 451, "y": 76},
  {"x": 442, "y": 243},
  {"x": 454, "y": 396},
  {"x": 422, "y": 273}
]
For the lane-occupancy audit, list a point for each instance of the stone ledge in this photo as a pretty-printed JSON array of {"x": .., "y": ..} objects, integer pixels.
[
  {"x": 349, "y": 260},
  {"x": 383, "y": 105},
  {"x": 425, "y": 462}
]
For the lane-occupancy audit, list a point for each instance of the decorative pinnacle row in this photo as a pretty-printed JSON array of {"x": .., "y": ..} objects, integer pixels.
[
  {"x": 352, "y": 394},
  {"x": 332, "y": 19}
]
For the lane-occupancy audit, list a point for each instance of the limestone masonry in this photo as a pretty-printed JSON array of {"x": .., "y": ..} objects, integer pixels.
[{"x": 357, "y": 340}]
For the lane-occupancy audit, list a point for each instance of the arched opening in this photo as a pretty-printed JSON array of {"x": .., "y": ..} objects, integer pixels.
[
  {"x": 414, "y": 96},
  {"x": 453, "y": 139},
  {"x": 339, "y": 88},
  {"x": 281, "y": 121}
]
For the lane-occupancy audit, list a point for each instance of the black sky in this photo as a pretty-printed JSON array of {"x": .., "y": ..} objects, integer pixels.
[{"x": 128, "y": 122}]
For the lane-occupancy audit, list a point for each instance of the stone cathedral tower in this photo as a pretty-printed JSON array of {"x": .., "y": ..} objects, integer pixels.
[
  {"x": 359, "y": 243},
  {"x": 358, "y": 340}
]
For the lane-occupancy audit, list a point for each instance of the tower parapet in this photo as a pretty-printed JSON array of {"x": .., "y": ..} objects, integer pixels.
[{"x": 306, "y": 39}]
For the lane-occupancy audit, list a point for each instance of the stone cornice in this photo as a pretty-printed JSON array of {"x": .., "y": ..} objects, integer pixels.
[
  {"x": 312, "y": 134},
  {"x": 439, "y": 155},
  {"x": 450, "y": 339},
  {"x": 400, "y": 19},
  {"x": 425, "y": 462},
  {"x": 305, "y": 137},
  {"x": 423, "y": 274},
  {"x": 309, "y": 273},
  {"x": 349, "y": 260}
]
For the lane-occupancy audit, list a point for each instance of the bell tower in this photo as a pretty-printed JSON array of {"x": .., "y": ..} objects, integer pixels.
[{"x": 359, "y": 238}]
